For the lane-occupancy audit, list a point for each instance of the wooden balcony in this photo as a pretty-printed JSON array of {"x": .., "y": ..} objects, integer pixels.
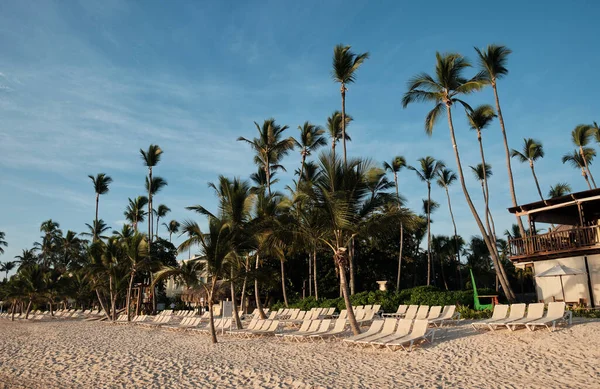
[{"x": 575, "y": 241}]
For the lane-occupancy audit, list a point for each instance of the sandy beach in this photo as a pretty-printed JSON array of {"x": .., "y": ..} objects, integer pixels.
[{"x": 76, "y": 354}]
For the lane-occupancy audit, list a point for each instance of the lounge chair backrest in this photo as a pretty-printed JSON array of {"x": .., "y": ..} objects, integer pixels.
[
  {"x": 339, "y": 325},
  {"x": 314, "y": 325},
  {"x": 376, "y": 307},
  {"x": 274, "y": 325},
  {"x": 517, "y": 311},
  {"x": 535, "y": 311},
  {"x": 252, "y": 324},
  {"x": 285, "y": 312},
  {"x": 369, "y": 315},
  {"x": 225, "y": 324},
  {"x": 195, "y": 321},
  {"x": 359, "y": 307},
  {"x": 500, "y": 311},
  {"x": 343, "y": 314},
  {"x": 359, "y": 314},
  {"x": 302, "y": 315},
  {"x": 316, "y": 313},
  {"x": 556, "y": 309},
  {"x": 185, "y": 321},
  {"x": 448, "y": 312},
  {"x": 389, "y": 325},
  {"x": 403, "y": 327},
  {"x": 293, "y": 315},
  {"x": 330, "y": 311},
  {"x": 325, "y": 324},
  {"x": 265, "y": 325},
  {"x": 280, "y": 311},
  {"x": 258, "y": 325},
  {"x": 272, "y": 315},
  {"x": 305, "y": 325},
  {"x": 375, "y": 327},
  {"x": 434, "y": 312},
  {"x": 420, "y": 327},
  {"x": 217, "y": 323},
  {"x": 411, "y": 312},
  {"x": 422, "y": 312}
]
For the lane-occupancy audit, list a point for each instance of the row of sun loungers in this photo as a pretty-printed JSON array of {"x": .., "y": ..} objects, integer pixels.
[{"x": 534, "y": 318}]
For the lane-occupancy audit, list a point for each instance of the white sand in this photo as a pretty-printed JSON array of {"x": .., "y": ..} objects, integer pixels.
[{"x": 75, "y": 354}]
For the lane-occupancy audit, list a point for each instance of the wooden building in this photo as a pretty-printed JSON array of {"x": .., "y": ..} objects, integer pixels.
[{"x": 566, "y": 231}]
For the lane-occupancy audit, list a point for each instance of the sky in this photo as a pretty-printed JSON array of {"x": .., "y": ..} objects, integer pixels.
[{"x": 84, "y": 85}]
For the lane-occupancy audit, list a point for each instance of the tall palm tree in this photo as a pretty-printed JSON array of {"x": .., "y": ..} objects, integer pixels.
[
  {"x": 395, "y": 166},
  {"x": 492, "y": 64},
  {"x": 578, "y": 162},
  {"x": 335, "y": 128},
  {"x": 482, "y": 174},
  {"x": 151, "y": 158},
  {"x": 27, "y": 258},
  {"x": 443, "y": 91},
  {"x": 32, "y": 284},
  {"x": 581, "y": 138},
  {"x": 136, "y": 249},
  {"x": 101, "y": 183},
  {"x": 345, "y": 65},
  {"x": 161, "y": 211},
  {"x": 446, "y": 178},
  {"x": 7, "y": 267},
  {"x": 2, "y": 242},
  {"x": 135, "y": 213},
  {"x": 310, "y": 140},
  {"x": 270, "y": 147},
  {"x": 172, "y": 228},
  {"x": 531, "y": 152},
  {"x": 427, "y": 171},
  {"x": 560, "y": 189}
]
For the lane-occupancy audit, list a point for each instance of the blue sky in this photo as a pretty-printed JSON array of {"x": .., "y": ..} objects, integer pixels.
[{"x": 85, "y": 85}]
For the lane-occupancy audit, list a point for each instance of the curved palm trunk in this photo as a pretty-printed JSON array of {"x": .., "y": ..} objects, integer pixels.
[
  {"x": 401, "y": 235},
  {"x": 309, "y": 258},
  {"x": 302, "y": 167},
  {"x": 243, "y": 294},
  {"x": 315, "y": 271},
  {"x": 268, "y": 176},
  {"x": 345, "y": 292},
  {"x": 285, "y": 301},
  {"x": 257, "y": 293},
  {"x": 96, "y": 224},
  {"x": 129, "y": 289},
  {"x": 428, "y": 233},
  {"x": 585, "y": 177},
  {"x": 351, "y": 267},
  {"x": 493, "y": 253},
  {"x": 333, "y": 148},
  {"x": 343, "y": 91},
  {"x": 28, "y": 309},
  {"x": 236, "y": 316},
  {"x": 455, "y": 236},
  {"x": 537, "y": 184},
  {"x": 587, "y": 168},
  {"x": 150, "y": 229},
  {"x": 101, "y": 302},
  {"x": 157, "y": 225},
  {"x": 511, "y": 182},
  {"x": 170, "y": 236},
  {"x": 213, "y": 332}
]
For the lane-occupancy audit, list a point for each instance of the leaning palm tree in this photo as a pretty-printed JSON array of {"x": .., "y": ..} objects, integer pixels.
[
  {"x": 334, "y": 129},
  {"x": 559, "y": 190},
  {"x": 345, "y": 65},
  {"x": 492, "y": 64},
  {"x": 444, "y": 91},
  {"x": 135, "y": 213},
  {"x": 151, "y": 158},
  {"x": 581, "y": 138},
  {"x": 2, "y": 242},
  {"x": 446, "y": 178},
  {"x": 395, "y": 166},
  {"x": 310, "y": 140},
  {"x": 576, "y": 160},
  {"x": 426, "y": 172},
  {"x": 161, "y": 211},
  {"x": 531, "y": 152},
  {"x": 101, "y": 182},
  {"x": 172, "y": 228},
  {"x": 270, "y": 147},
  {"x": 482, "y": 174}
]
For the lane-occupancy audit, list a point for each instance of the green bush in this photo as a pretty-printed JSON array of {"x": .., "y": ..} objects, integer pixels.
[
  {"x": 471, "y": 314},
  {"x": 587, "y": 313}
]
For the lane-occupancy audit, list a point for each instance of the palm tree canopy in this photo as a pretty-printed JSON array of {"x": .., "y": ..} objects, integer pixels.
[
  {"x": 560, "y": 189},
  {"x": 186, "y": 274},
  {"x": 429, "y": 168},
  {"x": 481, "y": 117},
  {"x": 430, "y": 206},
  {"x": 397, "y": 164},
  {"x": 346, "y": 63},
  {"x": 479, "y": 172},
  {"x": 135, "y": 211},
  {"x": 532, "y": 151},
  {"x": 576, "y": 160},
  {"x": 101, "y": 183},
  {"x": 2, "y": 242},
  {"x": 334, "y": 126},
  {"x": 162, "y": 210},
  {"x": 581, "y": 135},
  {"x": 172, "y": 227},
  {"x": 310, "y": 138},
  {"x": 96, "y": 229},
  {"x": 151, "y": 157},
  {"x": 492, "y": 61},
  {"x": 157, "y": 184},
  {"x": 270, "y": 146},
  {"x": 443, "y": 90},
  {"x": 446, "y": 177}
]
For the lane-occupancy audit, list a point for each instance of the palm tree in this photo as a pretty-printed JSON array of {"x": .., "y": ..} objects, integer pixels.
[
  {"x": 446, "y": 178},
  {"x": 560, "y": 189},
  {"x": 395, "y": 166},
  {"x": 27, "y": 258},
  {"x": 310, "y": 140},
  {"x": 482, "y": 175},
  {"x": 269, "y": 147},
  {"x": 578, "y": 162},
  {"x": 136, "y": 249},
  {"x": 7, "y": 267},
  {"x": 126, "y": 232},
  {"x": 135, "y": 213},
  {"x": 172, "y": 228},
  {"x": 428, "y": 171},
  {"x": 2, "y": 242},
  {"x": 32, "y": 284},
  {"x": 335, "y": 129},
  {"x": 101, "y": 182},
  {"x": 532, "y": 151},
  {"x": 97, "y": 228},
  {"x": 345, "y": 65},
  {"x": 161, "y": 211},
  {"x": 151, "y": 158},
  {"x": 581, "y": 138},
  {"x": 492, "y": 64},
  {"x": 443, "y": 91}
]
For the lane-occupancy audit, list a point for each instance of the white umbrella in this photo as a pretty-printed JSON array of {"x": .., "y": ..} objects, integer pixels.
[{"x": 560, "y": 271}]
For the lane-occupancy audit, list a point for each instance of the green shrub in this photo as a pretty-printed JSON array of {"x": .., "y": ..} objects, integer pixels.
[
  {"x": 471, "y": 314},
  {"x": 587, "y": 313}
]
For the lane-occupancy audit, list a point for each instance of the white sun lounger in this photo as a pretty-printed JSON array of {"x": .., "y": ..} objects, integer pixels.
[
  {"x": 422, "y": 312},
  {"x": 556, "y": 312},
  {"x": 419, "y": 332},
  {"x": 323, "y": 328},
  {"x": 373, "y": 329},
  {"x": 500, "y": 312},
  {"x": 402, "y": 330},
  {"x": 434, "y": 312},
  {"x": 304, "y": 328},
  {"x": 338, "y": 328},
  {"x": 448, "y": 313},
  {"x": 399, "y": 312},
  {"x": 389, "y": 325},
  {"x": 534, "y": 312},
  {"x": 411, "y": 312},
  {"x": 517, "y": 312}
]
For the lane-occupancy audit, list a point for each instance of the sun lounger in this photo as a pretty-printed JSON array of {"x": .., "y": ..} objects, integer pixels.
[
  {"x": 422, "y": 312},
  {"x": 367, "y": 318},
  {"x": 434, "y": 312},
  {"x": 517, "y": 312},
  {"x": 449, "y": 313},
  {"x": 313, "y": 326},
  {"x": 373, "y": 329},
  {"x": 556, "y": 312},
  {"x": 419, "y": 332},
  {"x": 182, "y": 324},
  {"x": 206, "y": 327},
  {"x": 239, "y": 331},
  {"x": 338, "y": 328},
  {"x": 303, "y": 329},
  {"x": 500, "y": 312},
  {"x": 389, "y": 325},
  {"x": 399, "y": 312},
  {"x": 329, "y": 312},
  {"x": 534, "y": 312},
  {"x": 402, "y": 330},
  {"x": 411, "y": 312},
  {"x": 271, "y": 329},
  {"x": 323, "y": 328}
]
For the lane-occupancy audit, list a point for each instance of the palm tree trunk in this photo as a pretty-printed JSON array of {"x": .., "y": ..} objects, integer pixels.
[
  {"x": 537, "y": 184},
  {"x": 589, "y": 172},
  {"x": 343, "y": 90},
  {"x": 157, "y": 225},
  {"x": 27, "y": 310},
  {"x": 243, "y": 294},
  {"x": 236, "y": 316},
  {"x": 301, "y": 168},
  {"x": 96, "y": 225},
  {"x": 285, "y": 301},
  {"x": 333, "y": 148},
  {"x": 257, "y": 293},
  {"x": 443, "y": 274},
  {"x": 344, "y": 285},
  {"x": 455, "y": 235},
  {"x": 309, "y": 257},
  {"x": 113, "y": 300},
  {"x": 170, "y": 236},
  {"x": 101, "y": 302},
  {"x": 213, "y": 332},
  {"x": 493, "y": 253},
  {"x": 401, "y": 234},
  {"x": 268, "y": 176},
  {"x": 511, "y": 182},
  {"x": 585, "y": 177},
  {"x": 351, "y": 267},
  {"x": 428, "y": 233},
  {"x": 129, "y": 289},
  {"x": 315, "y": 272}
]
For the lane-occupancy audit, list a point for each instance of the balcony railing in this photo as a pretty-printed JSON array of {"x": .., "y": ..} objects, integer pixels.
[{"x": 554, "y": 242}]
